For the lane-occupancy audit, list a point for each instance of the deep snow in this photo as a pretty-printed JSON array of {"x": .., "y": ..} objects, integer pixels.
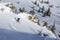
[{"x": 10, "y": 29}]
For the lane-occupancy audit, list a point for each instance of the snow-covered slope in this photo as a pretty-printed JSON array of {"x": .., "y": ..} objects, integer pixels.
[
  {"x": 5, "y": 15},
  {"x": 30, "y": 26},
  {"x": 25, "y": 29},
  {"x": 10, "y": 29}
]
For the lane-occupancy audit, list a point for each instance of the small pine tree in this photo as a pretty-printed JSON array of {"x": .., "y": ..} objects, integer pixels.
[
  {"x": 47, "y": 13},
  {"x": 35, "y": 3},
  {"x": 53, "y": 28},
  {"x": 38, "y": 10},
  {"x": 32, "y": 11},
  {"x": 42, "y": 10},
  {"x": 22, "y": 9},
  {"x": 45, "y": 24}
]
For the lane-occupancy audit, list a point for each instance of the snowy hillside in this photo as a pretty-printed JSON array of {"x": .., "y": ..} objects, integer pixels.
[{"x": 15, "y": 26}]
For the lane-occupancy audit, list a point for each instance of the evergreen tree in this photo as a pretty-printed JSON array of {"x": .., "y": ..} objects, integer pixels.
[
  {"x": 32, "y": 11},
  {"x": 22, "y": 9},
  {"x": 45, "y": 24},
  {"x": 47, "y": 13},
  {"x": 42, "y": 10}
]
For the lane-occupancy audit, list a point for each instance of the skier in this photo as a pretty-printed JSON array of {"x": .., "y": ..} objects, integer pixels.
[{"x": 17, "y": 19}]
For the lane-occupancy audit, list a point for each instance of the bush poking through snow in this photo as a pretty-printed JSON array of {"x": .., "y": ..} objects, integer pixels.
[
  {"x": 34, "y": 19},
  {"x": 29, "y": 17},
  {"x": 10, "y": 6}
]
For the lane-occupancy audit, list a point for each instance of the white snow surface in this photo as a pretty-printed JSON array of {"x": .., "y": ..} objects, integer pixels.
[{"x": 10, "y": 29}]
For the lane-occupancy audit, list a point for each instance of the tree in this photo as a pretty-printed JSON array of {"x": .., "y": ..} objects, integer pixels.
[
  {"x": 22, "y": 9},
  {"x": 47, "y": 13},
  {"x": 53, "y": 28},
  {"x": 32, "y": 11},
  {"x": 45, "y": 24},
  {"x": 42, "y": 10}
]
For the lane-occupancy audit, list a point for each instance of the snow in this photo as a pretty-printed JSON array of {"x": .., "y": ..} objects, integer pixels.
[
  {"x": 31, "y": 27},
  {"x": 9, "y": 26},
  {"x": 22, "y": 27},
  {"x": 25, "y": 29}
]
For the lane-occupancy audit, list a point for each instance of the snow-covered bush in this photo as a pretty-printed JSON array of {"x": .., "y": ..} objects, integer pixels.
[
  {"x": 10, "y": 5},
  {"x": 34, "y": 19}
]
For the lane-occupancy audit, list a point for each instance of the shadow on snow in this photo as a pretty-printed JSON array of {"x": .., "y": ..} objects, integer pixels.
[{"x": 14, "y": 35}]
